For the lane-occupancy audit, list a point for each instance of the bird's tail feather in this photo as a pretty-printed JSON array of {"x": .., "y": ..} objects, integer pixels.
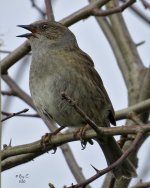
[{"x": 112, "y": 152}]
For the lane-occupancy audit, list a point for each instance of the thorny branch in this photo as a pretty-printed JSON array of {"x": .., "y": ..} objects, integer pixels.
[
  {"x": 99, "y": 173},
  {"x": 34, "y": 149}
]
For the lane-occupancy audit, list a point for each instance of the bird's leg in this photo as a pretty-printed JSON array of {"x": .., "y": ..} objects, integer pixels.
[
  {"x": 122, "y": 140},
  {"x": 81, "y": 133},
  {"x": 46, "y": 139}
]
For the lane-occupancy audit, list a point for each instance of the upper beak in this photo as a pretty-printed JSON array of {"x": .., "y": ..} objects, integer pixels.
[{"x": 29, "y": 28}]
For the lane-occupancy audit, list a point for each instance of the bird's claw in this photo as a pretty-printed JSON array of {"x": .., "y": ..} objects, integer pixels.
[
  {"x": 45, "y": 140},
  {"x": 83, "y": 144},
  {"x": 54, "y": 150},
  {"x": 81, "y": 134}
]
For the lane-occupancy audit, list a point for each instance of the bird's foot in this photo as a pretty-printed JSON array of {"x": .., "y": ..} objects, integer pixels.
[
  {"x": 46, "y": 139},
  {"x": 122, "y": 140},
  {"x": 81, "y": 134}
]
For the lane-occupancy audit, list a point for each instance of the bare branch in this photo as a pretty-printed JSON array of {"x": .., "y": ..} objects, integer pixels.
[
  {"x": 18, "y": 91},
  {"x": 33, "y": 150},
  {"x": 145, "y": 92},
  {"x": 142, "y": 185},
  {"x": 97, "y": 12},
  {"x": 13, "y": 57},
  {"x": 5, "y": 51},
  {"x": 20, "y": 115},
  {"x": 83, "y": 12},
  {"x": 8, "y": 93},
  {"x": 95, "y": 127},
  {"x": 8, "y": 52},
  {"x": 140, "y": 43},
  {"x": 43, "y": 14},
  {"x": 49, "y": 10},
  {"x": 14, "y": 114},
  {"x": 134, "y": 117},
  {"x": 141, "y": 14},
  {"x": 137, "y": 108},
  {"x": 99, "y": 173}
]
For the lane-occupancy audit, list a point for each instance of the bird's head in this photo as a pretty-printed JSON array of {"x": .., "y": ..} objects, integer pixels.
[{"x": 53, "y": 32}]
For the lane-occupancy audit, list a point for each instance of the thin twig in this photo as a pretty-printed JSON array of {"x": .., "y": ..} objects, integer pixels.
[
  {"x": 20, "y": 115},
  {"x": 141, "y": 14},
  {"x": 14, "y": 114},
  {"x": 97, "y": 129},
  {"x": 121, "y": 114},
  {"x": 97, "y": 12},
  {"x": 38, "y": 8},
  {"x": 5, "y": 51},
  {"x": 8, "y": 93},
  {"x": 140, "y": 43}
]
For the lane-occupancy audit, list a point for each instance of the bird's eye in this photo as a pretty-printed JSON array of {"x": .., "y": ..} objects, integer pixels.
[{"x": 44, "y": 27}]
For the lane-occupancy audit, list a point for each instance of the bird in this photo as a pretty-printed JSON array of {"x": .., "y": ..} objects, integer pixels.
[{"x": 59, "y": 65}]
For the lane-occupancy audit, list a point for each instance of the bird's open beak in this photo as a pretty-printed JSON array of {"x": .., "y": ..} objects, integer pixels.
[{"x": 29, "y": 28}]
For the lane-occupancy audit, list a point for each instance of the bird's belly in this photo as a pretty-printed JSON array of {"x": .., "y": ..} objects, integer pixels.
[{"x": 48, "y": 101}]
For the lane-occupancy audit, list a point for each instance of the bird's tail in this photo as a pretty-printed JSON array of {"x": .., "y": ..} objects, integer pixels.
[{"x": 112, "y": 152}]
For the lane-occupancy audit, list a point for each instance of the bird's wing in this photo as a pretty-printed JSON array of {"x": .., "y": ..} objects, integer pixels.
[{"x": 95, "y": 77}]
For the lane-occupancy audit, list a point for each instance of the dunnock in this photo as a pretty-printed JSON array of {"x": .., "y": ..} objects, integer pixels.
[{"x": 59, "y": 65}]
